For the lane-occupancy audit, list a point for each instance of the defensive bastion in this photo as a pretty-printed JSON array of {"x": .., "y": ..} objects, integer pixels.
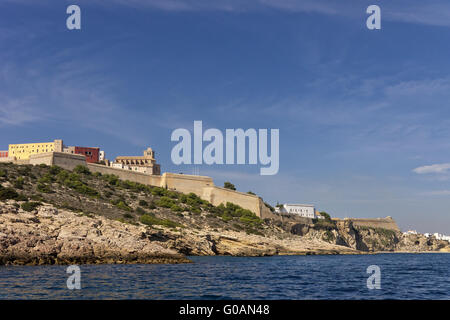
[{"x": 383, "y": 223}]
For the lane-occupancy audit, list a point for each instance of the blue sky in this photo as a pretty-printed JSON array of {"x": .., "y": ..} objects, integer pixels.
[{"x": 364, "y": 116}]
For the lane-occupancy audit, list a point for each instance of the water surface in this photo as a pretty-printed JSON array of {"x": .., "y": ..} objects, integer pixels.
[{"x": 403, "y": 276}]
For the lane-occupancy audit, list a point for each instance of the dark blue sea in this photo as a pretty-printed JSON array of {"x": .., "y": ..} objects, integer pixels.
[{"x": 403, "y": 276}]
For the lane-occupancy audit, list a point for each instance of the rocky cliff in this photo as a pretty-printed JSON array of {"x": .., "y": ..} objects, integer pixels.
[
  {"x": 49, "y": 215},
  {"x": 365, "y": 238}
]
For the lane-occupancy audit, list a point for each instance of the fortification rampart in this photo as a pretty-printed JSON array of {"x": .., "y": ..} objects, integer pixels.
[
  {"x": 186, "y": 183},
  {"x": 123, "y": 174},
  {"x": 385, "y": 223},
  {"x": 64, "y": 160},
  {"x": 200, "y": 185},
  {"x": 217, "y": 195}
]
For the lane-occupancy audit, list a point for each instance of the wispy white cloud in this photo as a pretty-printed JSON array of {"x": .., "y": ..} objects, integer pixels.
[
  {"x": 17, "y": 110},
  {"x": 434, "y": 168}
]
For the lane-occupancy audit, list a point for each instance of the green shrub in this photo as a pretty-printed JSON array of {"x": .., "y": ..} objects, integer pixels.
[
  {"x": 152, "y": 220},
  {"x": 30, "y": 206},
  {"x": 128, "y": 216},
  {"x": 172, "y": 194},
  {"x": 157, "y": 191},
  {"x": 226, "y": 217},
  {"x": 143, "y": 203},
  {"x": 18, "y": 184},
  {"x": 176, "y": 208},
  {"x": 112, "y": 180},
  {"x": 165, "y": 202},
  {"x": 2, "y": 173},
  {"x": 73, "y": 181},
  {"x": 251, "y": 220},
  {"x": 46, "y": 178},
  {"x": 229, "y": 185},
  {"x": 8, "y": 193},
  {"x": 82, "y": 170},
  {"x": 193, "y": 200},
  {"x": 44, "y": 188},
  {"x": 54, "y": 170},
  {"x": 62, "y": 176},
  {"x": 196, "y": 210},
  {"x": 122, "y": 205},
  {"x": 133, "y": 186},
  {"x": 325, "y": 215},
  {"x": 230, "y": 210}
]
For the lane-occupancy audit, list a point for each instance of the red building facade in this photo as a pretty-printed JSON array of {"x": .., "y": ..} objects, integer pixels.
[
  {"x": 92, "y": 154},
  {"x": 3, "y": 154}
]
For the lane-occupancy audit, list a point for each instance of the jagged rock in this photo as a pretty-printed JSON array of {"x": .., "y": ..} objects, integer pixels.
[
  {"x": 55, "y": 236},
  {"x": 47, "y": 211}
]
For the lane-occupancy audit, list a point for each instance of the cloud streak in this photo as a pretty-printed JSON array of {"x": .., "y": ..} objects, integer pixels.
[{"x": 434, "y": 168}]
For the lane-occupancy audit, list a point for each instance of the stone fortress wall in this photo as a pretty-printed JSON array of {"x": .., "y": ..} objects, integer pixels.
[
  {"x": 200, "y": 185},
  {"x": 384, "y": 223}
]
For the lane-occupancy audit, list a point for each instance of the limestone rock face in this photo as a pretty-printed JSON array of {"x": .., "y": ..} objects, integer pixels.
[
  {"x": 420, "y": 243},
  {"x": 366, "y": 239},
  {"x": 48, "y": 235},
  {"x": 52, "y": 236}
]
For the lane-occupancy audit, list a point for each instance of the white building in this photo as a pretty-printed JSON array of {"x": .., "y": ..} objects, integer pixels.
[
  {"x": 439, "y": 236},
  {"x": 118, "y": 165},
  {"x": 303, "y": 210},
  {"x": 101, "y": 155}
]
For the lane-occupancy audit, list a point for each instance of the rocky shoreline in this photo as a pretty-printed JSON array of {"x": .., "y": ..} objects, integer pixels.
[{"x": 47, "y": 235}]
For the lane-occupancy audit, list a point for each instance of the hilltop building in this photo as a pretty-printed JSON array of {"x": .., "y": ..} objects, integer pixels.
[
  {"x": 92, "y": 154},
  {"x": 303, "y": 210},
  {"x": 3, "y": 154},
  {"x": 145, "y": 164},
  {"x": 25, "y": 150},
  {"x": 439, "y": 236}
]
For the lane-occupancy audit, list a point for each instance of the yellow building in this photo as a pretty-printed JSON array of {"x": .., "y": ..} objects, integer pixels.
[{"x": 25, "y": 150}]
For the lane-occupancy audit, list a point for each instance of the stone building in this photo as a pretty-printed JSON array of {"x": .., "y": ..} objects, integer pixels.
[
  {"x": 145, "y": 164},
  {"x": 92, "y": 154}
]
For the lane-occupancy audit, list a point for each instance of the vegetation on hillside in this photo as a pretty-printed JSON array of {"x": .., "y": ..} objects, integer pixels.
[{"x": 91, "y": 194}]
